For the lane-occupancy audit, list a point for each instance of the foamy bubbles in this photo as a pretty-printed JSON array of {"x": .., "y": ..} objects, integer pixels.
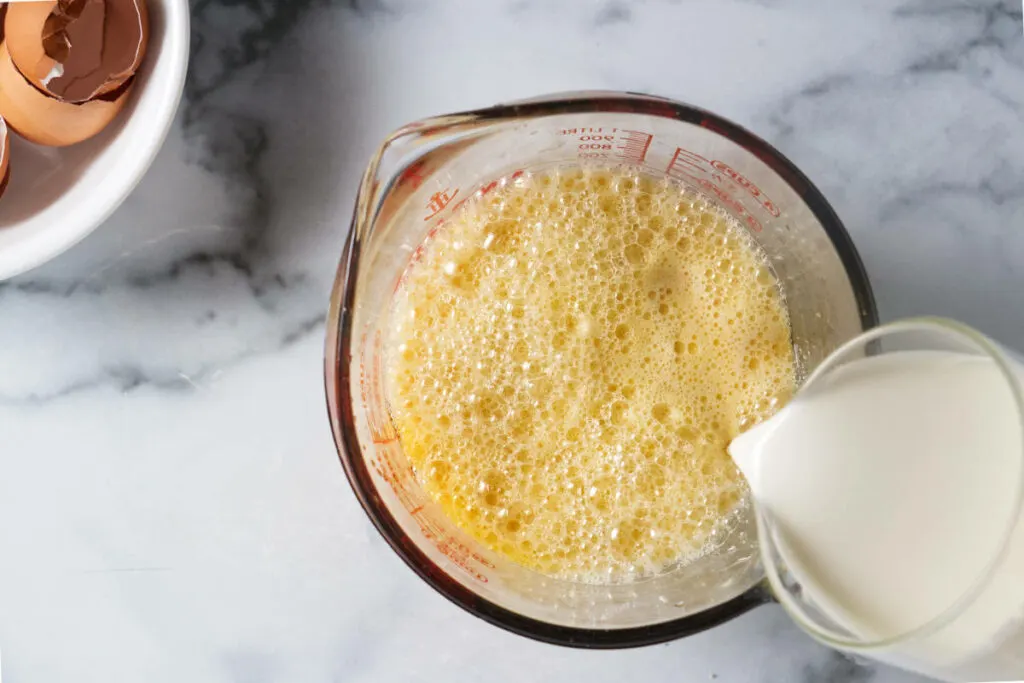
[{"x": 570, "y": 357}]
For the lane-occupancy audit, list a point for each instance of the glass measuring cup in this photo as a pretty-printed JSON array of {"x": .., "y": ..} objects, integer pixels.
[
  {"x": 418, "y": 177},
  {"x": 979, "y": 636}
]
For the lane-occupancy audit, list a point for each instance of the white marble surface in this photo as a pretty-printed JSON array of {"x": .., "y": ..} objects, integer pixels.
[{"x": 171, "y": 507}]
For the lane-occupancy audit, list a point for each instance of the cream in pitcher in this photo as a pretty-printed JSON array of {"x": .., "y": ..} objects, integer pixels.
[{"x": 893, "y": 486}]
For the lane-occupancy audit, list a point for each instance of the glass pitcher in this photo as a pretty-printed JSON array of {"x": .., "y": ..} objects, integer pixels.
[
  {"x": 979, "y": 636},
  {"x": 427, "y": 170}
]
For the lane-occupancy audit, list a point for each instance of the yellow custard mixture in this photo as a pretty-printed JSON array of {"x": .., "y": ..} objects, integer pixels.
[{"x": 568, "y": 359}]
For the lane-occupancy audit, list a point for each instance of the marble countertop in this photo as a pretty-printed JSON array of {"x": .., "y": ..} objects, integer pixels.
[{"x": 171, "y": 506}]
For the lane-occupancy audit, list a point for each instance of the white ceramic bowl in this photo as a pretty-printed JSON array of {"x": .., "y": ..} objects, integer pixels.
[{"x": 58, "y": 196}]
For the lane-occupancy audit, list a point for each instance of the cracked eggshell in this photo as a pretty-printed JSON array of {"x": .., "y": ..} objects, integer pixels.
[
  {"x": 47, "y": 121},
  {"x": 58, "y": 196},
  {"x": 114, "y": 57},
  {"x": 23, "y": 33}
]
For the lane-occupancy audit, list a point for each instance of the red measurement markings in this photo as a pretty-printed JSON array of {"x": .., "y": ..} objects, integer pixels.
[
  {"x": 687, "y": 165},
  {"x": 750, "y": 187},
  {"x": 483, "y": 190},
  {"x": 731, "y": 202},
  {"x": 588, "y": 131},
  {"x": 461, "y": 555},
  {"x": 438, "y": 201},
  {"x": 593, "y": 143},
  {"x": 371, "y": 376},
  {"x": 396, "y": 477},
  {"x": 476, "y": 194},
  {"x": 417, "y": 254},
  {"x": 634, "y": 145},
  {"x": 413, "y": 175},
  {"x": 401, "y": 479}
]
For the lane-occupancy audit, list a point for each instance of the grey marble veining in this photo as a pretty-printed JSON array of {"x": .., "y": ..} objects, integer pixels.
[{"x": 173, "y": 508}]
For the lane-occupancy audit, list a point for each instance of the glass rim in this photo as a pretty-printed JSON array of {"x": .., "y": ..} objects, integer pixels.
[
  {"x": 991, "y": 349},
  {"x": 339, "y": 354}
]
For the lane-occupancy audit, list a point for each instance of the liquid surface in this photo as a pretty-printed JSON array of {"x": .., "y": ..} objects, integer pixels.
[
  {"x": 893, "y": 483},
  {"x": 569, "y": 358}
]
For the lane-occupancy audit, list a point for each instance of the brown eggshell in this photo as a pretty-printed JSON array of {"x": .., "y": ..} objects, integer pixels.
[
  {"x": 45, "y": 120},
  {"x": 24, "y": 27},
  {"x": 139, "y": 7},
  {"x": 23, "y": 33}
]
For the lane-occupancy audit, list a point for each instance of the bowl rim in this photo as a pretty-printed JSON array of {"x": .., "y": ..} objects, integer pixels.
[{"x": 50, "y": 242}]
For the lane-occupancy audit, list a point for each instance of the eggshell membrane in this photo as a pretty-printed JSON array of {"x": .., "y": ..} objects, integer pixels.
[
  {"x": 23, "y": 27},
  {"x": 5, "y": 156},
  {"x": 46, "y": 120}
]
